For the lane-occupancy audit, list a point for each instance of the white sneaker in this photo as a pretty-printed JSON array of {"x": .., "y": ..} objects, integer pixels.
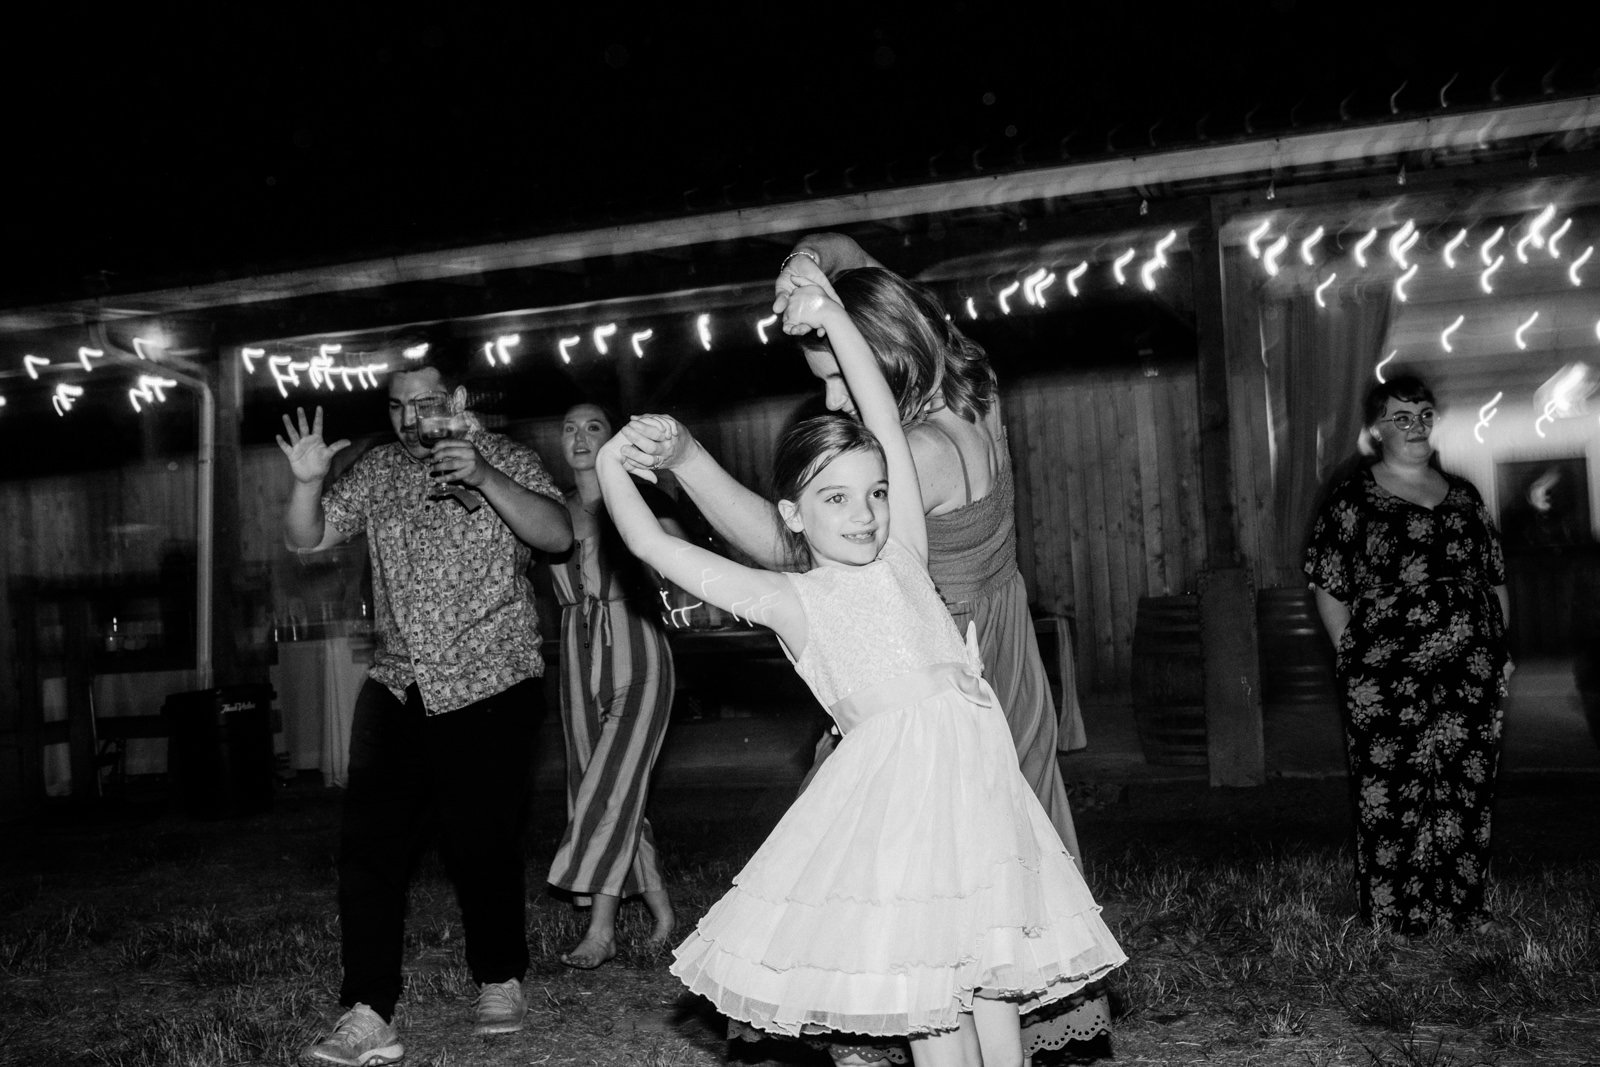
[
  {"x": 359, "y": 1039},
  {"x": 501, "y": 1007}
]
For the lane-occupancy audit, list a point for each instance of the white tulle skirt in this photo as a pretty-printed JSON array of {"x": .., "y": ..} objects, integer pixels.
[{"x": 917, "y": 871}]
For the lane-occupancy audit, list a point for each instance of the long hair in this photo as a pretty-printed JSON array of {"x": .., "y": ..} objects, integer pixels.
[
  {"x": 923, "y": 356},
  {"x": 802, "y": 454}
]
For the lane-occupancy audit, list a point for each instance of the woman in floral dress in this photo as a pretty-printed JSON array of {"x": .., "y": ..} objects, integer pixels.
[{"x": 1409, "y": 580}]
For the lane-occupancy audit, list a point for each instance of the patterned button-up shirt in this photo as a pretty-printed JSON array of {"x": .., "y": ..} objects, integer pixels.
[{"x": 452, "y": 602}]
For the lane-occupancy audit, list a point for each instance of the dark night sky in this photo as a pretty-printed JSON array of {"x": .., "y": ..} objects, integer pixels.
[{"x": 157, "y": 143}]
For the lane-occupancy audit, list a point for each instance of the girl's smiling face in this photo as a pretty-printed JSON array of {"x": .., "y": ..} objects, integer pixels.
[
  {"x": 584, "y": 429},
  {"x": 843, "y": 512}
]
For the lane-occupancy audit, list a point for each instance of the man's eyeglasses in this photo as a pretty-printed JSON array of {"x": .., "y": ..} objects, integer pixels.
[{"x": 1404, "y": 420}]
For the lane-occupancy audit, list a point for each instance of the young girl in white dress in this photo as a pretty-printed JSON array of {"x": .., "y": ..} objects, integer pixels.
[{"x": 917, "y": 886}]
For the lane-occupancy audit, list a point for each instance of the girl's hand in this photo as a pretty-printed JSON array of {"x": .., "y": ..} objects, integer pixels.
[
  {"x": 652, "y": 442},
  {"x": 799, "y": 270},
  {"x": 810, "y": 308},
  {"x": 309, "y": 456}
]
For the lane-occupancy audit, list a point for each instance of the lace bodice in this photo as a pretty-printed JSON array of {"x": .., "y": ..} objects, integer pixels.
[{"x": 869, "y": 624}]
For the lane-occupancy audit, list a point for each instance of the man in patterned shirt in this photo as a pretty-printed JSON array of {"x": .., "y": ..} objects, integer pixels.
[{"x": 445, "y": 721}]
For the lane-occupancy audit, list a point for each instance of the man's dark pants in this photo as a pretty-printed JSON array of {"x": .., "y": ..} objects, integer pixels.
[{"x": 462, "y": 775}]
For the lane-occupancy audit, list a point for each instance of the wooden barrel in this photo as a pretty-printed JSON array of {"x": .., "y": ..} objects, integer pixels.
[
  {"x": 1296, "y": 655},
  {"x": 1169, "y": 705}
]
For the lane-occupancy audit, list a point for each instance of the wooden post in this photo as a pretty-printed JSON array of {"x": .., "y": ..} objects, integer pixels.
[
  {"x": 231, "y": 663},
  {"x": 1235, "y": 747}
]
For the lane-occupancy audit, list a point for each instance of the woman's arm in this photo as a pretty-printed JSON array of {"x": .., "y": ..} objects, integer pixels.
[
  {"x": 745, "y": 519},
  {"x": 756, "y": 596},
  {"x": 811, "y": 309},
  {"x": 1335, "y": 615}
]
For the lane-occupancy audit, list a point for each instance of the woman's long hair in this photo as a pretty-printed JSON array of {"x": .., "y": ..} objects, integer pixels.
[{"x": 924, "y": 358}]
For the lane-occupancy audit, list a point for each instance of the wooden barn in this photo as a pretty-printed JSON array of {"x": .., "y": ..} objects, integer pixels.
[{"x": 1182, "y": 332}]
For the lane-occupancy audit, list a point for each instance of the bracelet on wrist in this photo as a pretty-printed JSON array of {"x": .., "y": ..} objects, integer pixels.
[{"x": 799, "y": 252}]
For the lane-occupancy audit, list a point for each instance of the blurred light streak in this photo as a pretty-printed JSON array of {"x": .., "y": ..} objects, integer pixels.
[
  {"x": 1487, "y": 251},
  {"x": 1488, "y": 272},
  {"x": 1485, "y": 413},
  {"x": 1120, "y": 264},
  {"x": 1030, "y": 286},
  {"x": 702, "y": 326},
  {"x": 415, "y": 351},
  {"x": 1005, "y": 297},
  {"x": 1308, "y": 244},
  {"x": 1444, "y": 334},
  {"x": 602, "y": 338},
  {"x": 1535, "y": 234},
  {"x": 1451, "y": 246},
  {"x": 1561, "y": 231},
  {"x": 150, "y": 389},
  {"x": 1404, "y": 280},
  {"x": 248, "y": 357},
  {"x": 1253, "y": 242},
  {"x": 972, "y": 309},
  {"x": 1147, "y": 273},
  {"x": 565, "y": 345},
  {"x": 1074, "y": 274},
  {"x": 1548, "y": 416},
  {"x": 639, "y": 339},
  {"x": 1269, "y": 258},
  {"x": 139, "y": 346},
  {"x": 1572, "y": 271},
  {"x": 66, "y": 394},
  {"x": 1360, "y": 250},
  {"x": 1401, "y": 242},
  {"x": 1522, "y": 330},
  {"x": 31, "y": 364},
  {"x": 762, "y": 325},
  {"x": 85, "y": 354},
  {"x": 1321, "y": 303},
  {"x": 504, "y": 344},
  {"x": 1378, "y": 370}
]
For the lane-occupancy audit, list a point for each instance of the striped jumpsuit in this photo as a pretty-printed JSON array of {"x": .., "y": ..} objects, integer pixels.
[{"x": 616, "y": 695}]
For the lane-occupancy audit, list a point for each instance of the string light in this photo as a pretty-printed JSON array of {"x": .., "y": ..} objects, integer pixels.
[
  {"x": 31, "y": 364},
  {"x": 602, "y": 337},
  {"x": 488, "y": 352},
  {"x": 1321, "y": 303},
  {"x": 1401, "y": 242},
  {"x": 1577, "y": 264},
  {"x": 504, "y": 344},
  {"x": 1561, "y": 232},
  {"x": 1253, "y": 242},
  {"x": 248, "y": 357},
  {"x": 638, "y": 341},
  {"x": 327, "y": 351},
  {"x": 1360, "y": 250},
  {"x": 1483, "y": 279},
  {"x": 1522, "y": 330},
  {"x": 415, "y": 351},
  {"x": 1378, "y": 370},
  {"x": 1308, "y": 244},
  {"x": 85, "y": 354},
  {"x": 702, "y": 326},
  {"x": 1401, "y": 282},
  {"x": 1005, "y": 297},
  {"x": 1535, "y": 234},
  {"x": 972, "y": 309},
  {"x": 1119, "y": 266},
  {"x": 285, "y": 372},
  {"x": 1451, "y": 246},
  {"x": 139, "y": 346},
  {"x": 1548, "y": 416},
  {"x": 565, "y": 346},
  {"x": 1444, "y": 334},
  {"x": 66, "y": 394},
  {"x": 763, "y": 324},
  {"x": 1157, "y": 260},
  {"x": 150, "y": 389},
  {"x": 1269, "y": 258},
  {"x": 1486, "y": 253},
  {"x": 1074, "y": 274},
  {"x": 1485, "y": 413},
  {"x": 1030, "y": 286}
]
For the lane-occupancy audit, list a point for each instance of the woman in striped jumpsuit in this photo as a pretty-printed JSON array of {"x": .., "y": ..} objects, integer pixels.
[{"x": 616, "y": 696}]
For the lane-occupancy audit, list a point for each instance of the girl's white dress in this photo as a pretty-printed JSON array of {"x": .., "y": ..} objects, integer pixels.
[{"x": 918, "y": 866}]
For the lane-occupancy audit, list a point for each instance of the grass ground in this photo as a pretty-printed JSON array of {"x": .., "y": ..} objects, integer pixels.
[{"x": 134, "y": 937}]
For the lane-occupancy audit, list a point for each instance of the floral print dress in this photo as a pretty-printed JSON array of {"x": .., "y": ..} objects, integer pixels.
[{"x": 1420, "y": 670}]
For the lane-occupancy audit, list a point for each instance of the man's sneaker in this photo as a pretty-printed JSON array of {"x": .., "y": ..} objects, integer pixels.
[
  {"x": 501, "y": 1007},
  {"x": 359, "y": 1039}
]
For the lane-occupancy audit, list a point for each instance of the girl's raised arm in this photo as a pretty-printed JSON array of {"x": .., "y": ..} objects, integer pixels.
[
  {"x": 762, "y": 598},
  {"x": 809, "y": 309}
]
